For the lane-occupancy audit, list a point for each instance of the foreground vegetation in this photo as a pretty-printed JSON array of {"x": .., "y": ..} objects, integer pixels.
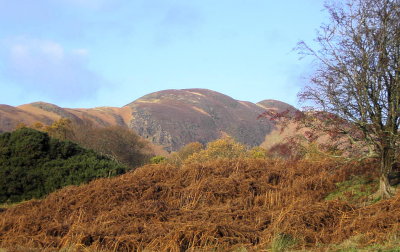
[
  {"x": 32, "y": 165},
  {"x": 221, "y": 198}
]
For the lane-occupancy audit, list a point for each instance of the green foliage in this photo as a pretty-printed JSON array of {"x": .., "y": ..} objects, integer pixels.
[
  {"x": 355, "y": 243},
  {"x": 32, "y": 165},
  {"x": 157, "y": 160},
  {"x": 258, "y": 152},
  {"x": 355, "y": 190},
  {"x": 282, "y": 242}
]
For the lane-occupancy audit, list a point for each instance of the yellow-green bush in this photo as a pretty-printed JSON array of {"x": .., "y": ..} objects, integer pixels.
[
  {"x": 185, "y": 152},
  {"x": 157, "y": 159},
  {"x": 225, "y": 148},
  {"x": 257, "y": 152}
]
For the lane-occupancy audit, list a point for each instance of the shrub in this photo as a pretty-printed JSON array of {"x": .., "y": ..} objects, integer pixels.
[
  {"x": 185, "y": 152},
  {"x": 157, "y": 159},
  {"x": 258, "y": 152},
  {"x": 32, "y": 164},
  {"x": 225, "y": 148}
]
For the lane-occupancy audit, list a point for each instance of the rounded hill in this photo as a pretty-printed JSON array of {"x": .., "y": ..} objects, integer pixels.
[
  {"x": 174, "y": 118},
  {"x": 275, "y": 105}
]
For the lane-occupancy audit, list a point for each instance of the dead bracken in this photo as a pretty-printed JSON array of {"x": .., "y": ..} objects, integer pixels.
[{"x": 221, "y": 204}]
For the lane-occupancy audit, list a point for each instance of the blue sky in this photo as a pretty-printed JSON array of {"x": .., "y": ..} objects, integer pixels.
[{"x": 87, "y": 53}]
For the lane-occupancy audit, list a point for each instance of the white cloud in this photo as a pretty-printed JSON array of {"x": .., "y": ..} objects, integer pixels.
[
  {"x": 28, "y": 54},
  {"x": 52, "y": 50},
  {"x": 18, "y": 51},
  {"x": 80, "y": 52},
  {"x": 47, "y": 68}
]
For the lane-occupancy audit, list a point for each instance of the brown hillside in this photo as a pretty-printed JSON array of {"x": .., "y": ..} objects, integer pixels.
[
  {"x": 169, "y": 118},
  {"x": 174, "y": 118},
  {"x": 10, "y": 117},
  {"x": 47, "y": 113},
  {"x": 101, "y": 116},
  {"x": 223, "y": 204},
  {"x": 276, "y": 106}
]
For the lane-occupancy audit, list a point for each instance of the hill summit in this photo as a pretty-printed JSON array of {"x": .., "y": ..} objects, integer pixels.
[{"x": 174, "y": 118}]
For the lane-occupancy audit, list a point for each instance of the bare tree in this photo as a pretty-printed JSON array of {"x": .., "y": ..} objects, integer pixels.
[{"x": 358, "y": 75}]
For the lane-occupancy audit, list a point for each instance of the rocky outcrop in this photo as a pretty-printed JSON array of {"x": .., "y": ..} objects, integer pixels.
[{"x": 174, "y": 118}]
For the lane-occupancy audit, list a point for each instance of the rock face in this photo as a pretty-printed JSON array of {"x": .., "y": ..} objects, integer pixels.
[
  {"x": 170, "y": 118},
  {"x": 174, "y": 118}
]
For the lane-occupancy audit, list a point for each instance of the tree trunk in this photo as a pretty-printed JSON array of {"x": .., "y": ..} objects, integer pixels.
[{"x": 385, "y": 190}]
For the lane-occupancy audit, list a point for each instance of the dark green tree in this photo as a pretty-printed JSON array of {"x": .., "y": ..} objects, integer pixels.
[{"x": 32, "y": 165}]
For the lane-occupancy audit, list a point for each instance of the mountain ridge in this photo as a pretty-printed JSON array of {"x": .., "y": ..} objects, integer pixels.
[{"x": 170, "y": 118}]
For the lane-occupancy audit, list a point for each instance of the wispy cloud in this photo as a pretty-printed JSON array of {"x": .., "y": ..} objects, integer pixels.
[
  {"x": 91, "y": 4},
  {"x": 179, "y": 21},
  {"x": 182, "y": 16},
  {"x": 45, "y": 67}
]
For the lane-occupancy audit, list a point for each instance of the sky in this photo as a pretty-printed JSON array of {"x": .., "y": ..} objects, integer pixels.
[{"x": 90, "y": 53}]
